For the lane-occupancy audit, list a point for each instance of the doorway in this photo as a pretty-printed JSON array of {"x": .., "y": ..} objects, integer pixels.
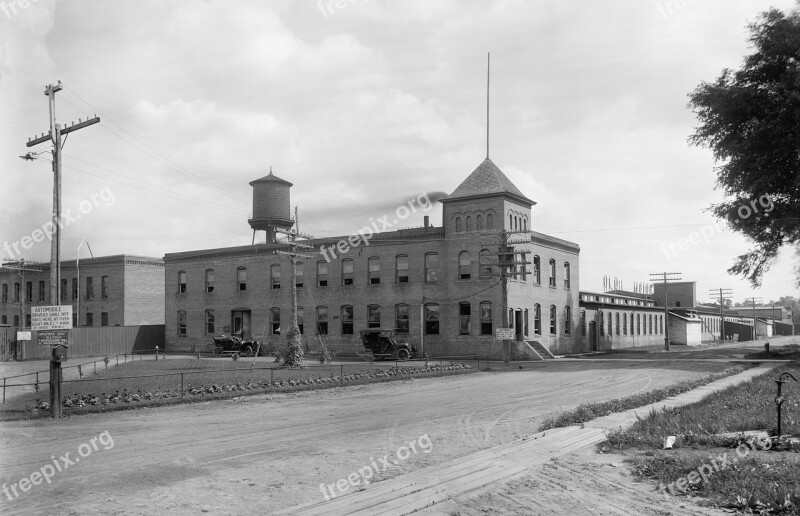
[
  {"x": 240, "y": 324},
  {"x": 593, "y": 335}
]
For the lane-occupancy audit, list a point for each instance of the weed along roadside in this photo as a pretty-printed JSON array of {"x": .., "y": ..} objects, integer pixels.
[
  {"x": 140, "y": 384},
  {"x": 724, "y": 448}
]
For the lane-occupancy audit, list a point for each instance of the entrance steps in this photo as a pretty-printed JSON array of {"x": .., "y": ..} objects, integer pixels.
[{"x": 537, "y": 349}]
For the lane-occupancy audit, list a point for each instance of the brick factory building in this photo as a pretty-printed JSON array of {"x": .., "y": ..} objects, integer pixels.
[
  {"x": 438, "y": 287},
  {"x": 120, "y": 290}
]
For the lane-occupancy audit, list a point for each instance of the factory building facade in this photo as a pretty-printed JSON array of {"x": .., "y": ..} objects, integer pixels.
[
  {"x": 119, "y": 290},
  {"x": 439, "y": 288}
]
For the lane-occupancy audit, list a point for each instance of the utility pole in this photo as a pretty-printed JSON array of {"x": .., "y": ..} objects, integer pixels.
[
  {"x": 508, "y": 264},
  {"x": 666, "y": 277},
  {"x": 755, "y": 334},
  {"x": 724, "y": 293},
  {"x": 294, "y": 256},
  {"x": 54, "y": 136}
]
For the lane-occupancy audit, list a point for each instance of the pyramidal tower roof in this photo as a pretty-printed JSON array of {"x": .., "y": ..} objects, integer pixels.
[{"x": 487, "y": 180}]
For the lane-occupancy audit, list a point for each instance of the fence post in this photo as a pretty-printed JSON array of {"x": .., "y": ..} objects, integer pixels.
[
  {"x": 4, "y": 390},
  {"x": 181, "y": 385},
  {"x": 95, "y": 366},
  {"x": 341, "y": 371},
  {"x": 117, "y": 358},
  {"x": 271, "y": 376}
]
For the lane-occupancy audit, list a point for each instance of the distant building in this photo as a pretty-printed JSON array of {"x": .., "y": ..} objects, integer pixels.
[
  {"x": 438, "y": 287},
  {"x": 120, "y": 290}
]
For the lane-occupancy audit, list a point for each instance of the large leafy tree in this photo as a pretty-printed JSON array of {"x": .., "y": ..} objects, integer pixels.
[{"x": 750, "y": 119}]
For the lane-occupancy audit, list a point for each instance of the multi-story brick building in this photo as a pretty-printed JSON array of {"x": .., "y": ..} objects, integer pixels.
[
  {"x": 120, "y": 290},
  {"x": 439, "y": 287}
]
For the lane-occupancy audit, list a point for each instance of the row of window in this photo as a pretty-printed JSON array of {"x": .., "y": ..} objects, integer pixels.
[
  {"x": 400, "y": 321},
  {"x": 88, "y": 320},
  {"x": 431, "y": 317},
  {"x": 460, "y": 227},
  {"x": 643, "y": 324},
  {"x": 42, "y": 293},
  {"x": 347, "y": 276},
  {"x": 617, "y": 300}
]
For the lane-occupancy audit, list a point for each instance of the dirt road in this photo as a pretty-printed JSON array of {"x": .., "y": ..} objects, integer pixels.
[{"x": 264, "y": 453}]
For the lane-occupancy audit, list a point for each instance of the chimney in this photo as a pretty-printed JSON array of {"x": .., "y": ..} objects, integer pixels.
[{"x": 427, "y": 221}]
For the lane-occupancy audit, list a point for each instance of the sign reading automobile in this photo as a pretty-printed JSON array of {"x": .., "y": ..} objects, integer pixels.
[{"x": 52, "y": 324}]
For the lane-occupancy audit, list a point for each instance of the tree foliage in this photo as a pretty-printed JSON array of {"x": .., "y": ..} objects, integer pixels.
[
  {"x": 293, "y": 353},
  {"x": 750, "y": 119}
]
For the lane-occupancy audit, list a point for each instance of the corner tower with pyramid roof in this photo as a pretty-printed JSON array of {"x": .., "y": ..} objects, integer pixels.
[{"x": 486, "y": 200}]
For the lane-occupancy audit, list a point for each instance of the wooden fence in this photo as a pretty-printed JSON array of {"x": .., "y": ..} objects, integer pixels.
[{"x": 85, "y": 341}]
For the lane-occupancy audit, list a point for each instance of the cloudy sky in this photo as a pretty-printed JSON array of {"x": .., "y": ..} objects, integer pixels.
[{"x": 363, "y": 104}]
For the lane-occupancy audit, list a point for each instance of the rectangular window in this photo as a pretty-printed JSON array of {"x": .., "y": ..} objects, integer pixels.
[
  {"x": 275, "y": 276},
  {"x": 103, "y": 318},
  {"x": 552, "y": 319},
  {"x": 483, "y": 264},
  {"x": 181, "y": 323},
  {"x": 209, "y": 281},
  {"x": 42, "y": 291},
  {"x": 566, "y": 275},
  {"x": 463, "y": 318},
  {"x": 374, "y": 270},
  {"x": 5, "y": 293},
  {"x": 347, "y": 272},
  {"x": 210, "y": 322},
  {"x": 552, "y": 273},
  {"x": 464, "y": 266},
  {"x": 299, "y": 275},
  {"x": 104, "y": 287},
  {"x": 74, "y": 289},
  {"x": 300, "y": 319},
  {"x": 241, "y": 279},
  {"x": 568, "y": 320},
  {"x": 537, "y": 270},
  {"x": 322, "y": 274},
  {"x": 486, "y": 318},
  {"x": 432, "y": 319},
  {"x": 74, "y": 319},
  {"x": 431, "y": 268},
  {"x": 525, "y": 323},
  {"x": 275, "y": 321},
  {"x": 29, "y": 291},
  {"x": 583, "y": 323},
  {"x": 537, "y": 319},
  {"x": 89, "y": 288},
  {"x": 322, "y": 320},
  {"x": 401, "y": 266},
  {"x": 89, "y": 319},
  {"x": 64, "y": 287},
  {"x": 401, "y": 318},
  {"x": 347, "y": 320},
  {"x": 182, "y": 282},
  {"x": 16, "y": 319},
  {"x": 373, "y": 316}
]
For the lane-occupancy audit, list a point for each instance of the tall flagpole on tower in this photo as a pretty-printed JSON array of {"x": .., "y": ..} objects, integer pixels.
[{"x": 488, "y": 62}]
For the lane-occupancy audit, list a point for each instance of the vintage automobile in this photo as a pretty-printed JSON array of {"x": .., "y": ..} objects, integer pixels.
[
  {"x": 382, "y": 344},
  {"x": 224, "y": 344}
]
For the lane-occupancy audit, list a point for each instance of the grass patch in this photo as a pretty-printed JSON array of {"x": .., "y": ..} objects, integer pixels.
[
  {"x": 153, "y": 383},
  {"x": 751, "y": 480},
  {"x": 588, "y": 411},
  {"x": 788, "y": 352}
]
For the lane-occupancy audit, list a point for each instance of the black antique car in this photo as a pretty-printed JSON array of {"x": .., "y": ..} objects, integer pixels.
[
  {"x": 224, "y": 344},
  {"x": 382, "y": 343}
]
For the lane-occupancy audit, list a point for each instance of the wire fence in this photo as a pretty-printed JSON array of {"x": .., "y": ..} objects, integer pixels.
[{"x": 180, "y": 381}]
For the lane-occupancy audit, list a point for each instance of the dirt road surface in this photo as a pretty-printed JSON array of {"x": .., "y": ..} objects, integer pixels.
[{"x": 258, "y": 454}]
